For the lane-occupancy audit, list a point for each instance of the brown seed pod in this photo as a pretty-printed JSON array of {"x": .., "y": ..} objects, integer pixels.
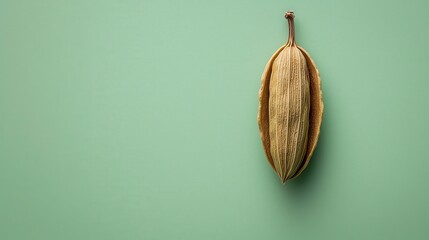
[{"x": 290, "y": 107}]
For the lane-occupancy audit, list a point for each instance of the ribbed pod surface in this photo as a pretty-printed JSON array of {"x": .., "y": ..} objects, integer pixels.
[{"x": 290, "y": 108}]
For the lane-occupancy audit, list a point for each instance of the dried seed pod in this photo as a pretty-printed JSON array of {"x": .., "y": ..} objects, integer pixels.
[{"x": 290, "y": 107}]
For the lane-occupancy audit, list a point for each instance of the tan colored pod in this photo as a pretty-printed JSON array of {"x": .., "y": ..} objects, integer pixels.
[{"x": 290, "y": 108}]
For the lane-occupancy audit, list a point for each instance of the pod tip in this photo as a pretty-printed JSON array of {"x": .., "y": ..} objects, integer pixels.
[{"x": 289, "y": 14}]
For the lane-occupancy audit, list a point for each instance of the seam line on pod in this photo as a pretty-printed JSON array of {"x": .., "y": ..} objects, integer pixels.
[
  {"x": 277, "y": 119},
  {"x": 280, "y": 84},
  {"x": 289, "y": 76},
  {"x": 274, "y": 80},
  {"x": 299, "y": 116},
  {"x": 293, "y": 144},
  {"x": 281, "y": 105}
]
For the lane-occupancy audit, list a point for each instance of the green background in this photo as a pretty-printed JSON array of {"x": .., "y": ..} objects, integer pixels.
[{"x": 137, "y": 120}]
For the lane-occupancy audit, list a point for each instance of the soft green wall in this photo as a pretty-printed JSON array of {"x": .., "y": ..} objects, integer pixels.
[{"x": 134, "y": 119}]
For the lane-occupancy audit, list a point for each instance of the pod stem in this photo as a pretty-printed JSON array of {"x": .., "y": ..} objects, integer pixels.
[{"x": 289, "y": 15}]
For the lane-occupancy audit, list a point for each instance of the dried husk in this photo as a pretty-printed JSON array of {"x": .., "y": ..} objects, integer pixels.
[{"x": 307, "y": 124}]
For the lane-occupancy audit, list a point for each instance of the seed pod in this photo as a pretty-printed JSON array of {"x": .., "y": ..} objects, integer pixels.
[{"x": 290, "y": 107}]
